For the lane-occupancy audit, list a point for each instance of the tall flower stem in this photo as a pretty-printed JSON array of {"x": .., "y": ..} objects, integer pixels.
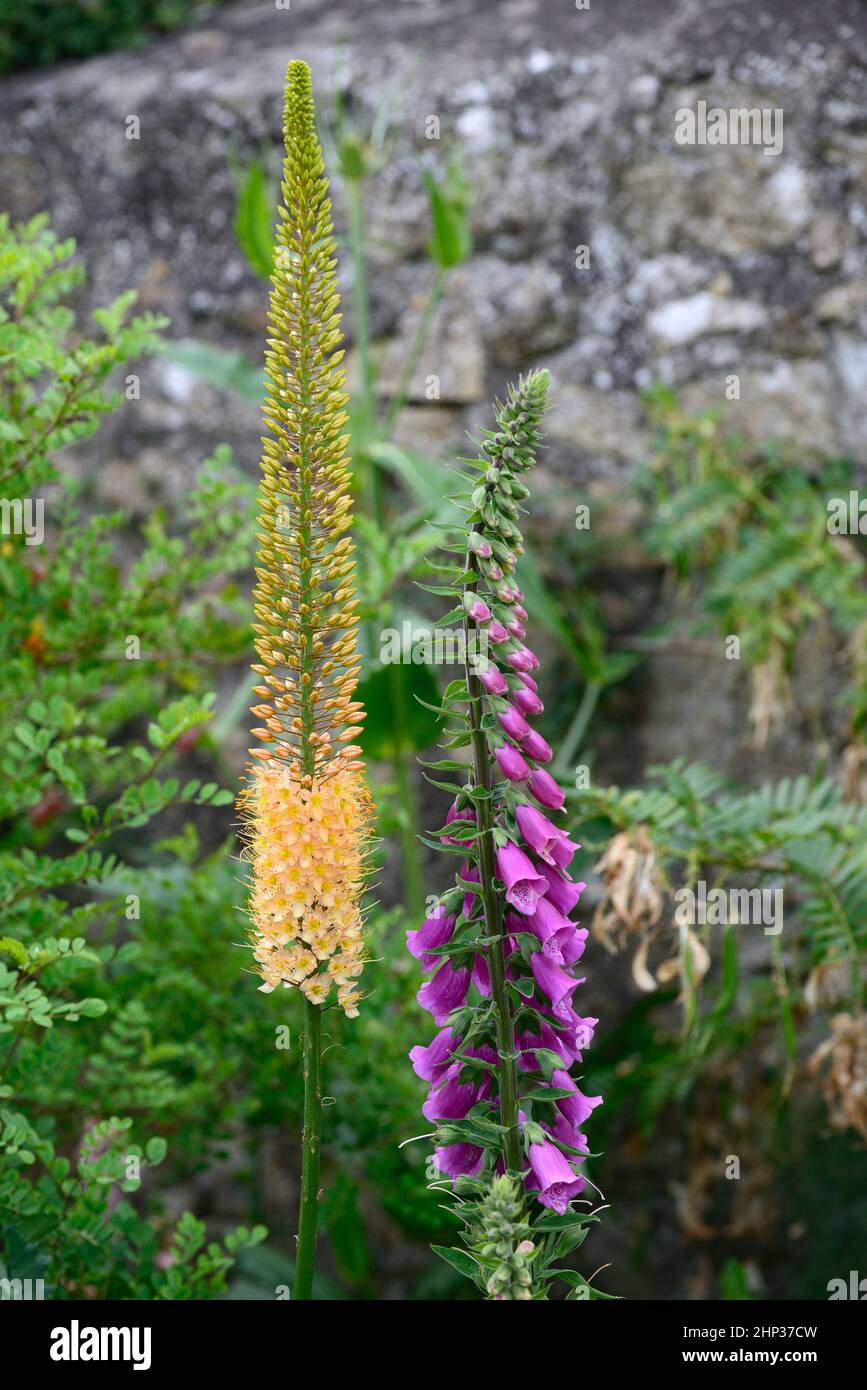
[
  {"x": 501, "y": 944},
  {"x": 496, "y": 954},
  {"x": 306, "y": 809},
  {"x": 311, "y": 1145}
]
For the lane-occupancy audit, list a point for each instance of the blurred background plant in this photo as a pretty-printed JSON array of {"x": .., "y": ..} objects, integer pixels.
[{"x": 45, "y": 31}]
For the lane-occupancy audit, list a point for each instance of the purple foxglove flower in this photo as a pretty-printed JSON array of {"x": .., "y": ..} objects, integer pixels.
[
  {"x": 514, "y": 923},
  {"x": 564, "y": 852},
  {"x": 541, "y": 945},
  {"x": 540, "y": 833},
  {"x": 435, "y": 931},
  {"x": 444, "y": 991},
  {"x": 546, "y": 923},
  {"x": 574, "y": 1033},
  {"x": 511, "y": 763},
  {"x": 570, "y": 943},
  {"x": 528, "y": 701},
  {"x": 479, "y": 546},
  {"x": 465, "y": 813},
  {"x": 476, "y": 608},
  {"x": 520, "y": 660},
  {"x": 457, "y": 1160},
  {"x": 535, "y": 747},
  {"x": 548, "y": 1038},
  {"x": 545, "y": 789},
  {"x": 566, "y": 1133},
  {"x": 514, "y": 723},
  {"x": 554, "y": 982},
  {"x": 494, "y": 681},
  {"x": 451, "y": 1100},
  {"x": 576, "y": 1107},
  {"x": 431, "y": 1062},
  {"x": 582, "y": 1033},
  {"x": 524, "y": 887},
  {"x": 553, "y": 1176},
  {"x": 470, "y": 874},
  {"x": 562, "y": 892},
  {"x": 481, "y": 975}
]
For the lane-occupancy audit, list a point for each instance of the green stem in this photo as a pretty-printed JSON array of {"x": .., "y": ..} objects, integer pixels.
[
  {"x": 577, "y": 729},
  {"x": 311, "y": 1145},
  {"x": 496, "y": 951}
]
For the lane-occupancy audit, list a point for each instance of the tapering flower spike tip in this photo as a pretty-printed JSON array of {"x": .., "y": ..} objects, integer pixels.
[{"x": 306, "y": 808}]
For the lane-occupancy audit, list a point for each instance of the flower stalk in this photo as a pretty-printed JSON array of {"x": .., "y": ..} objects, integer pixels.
[
  {"x": 501, "y": 944},
  {"x": 311, "y": 1145},
  {"x": 305, "y": 809},
  {"x": 505, "y": 1028}
]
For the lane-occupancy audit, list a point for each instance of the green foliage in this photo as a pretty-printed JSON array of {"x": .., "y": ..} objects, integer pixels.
[
  {"x": 89, "y": 653},
  {"x": 798, "y": 836},
  {"x": 511, "y": 1255},
  {"x": 746, "y": 529},
  {"x": 255, "y": 216},
  {"x": 451, "y": 238},
  {"x": 45, "y": 31},
  {"x": 734, "y": 1282}
]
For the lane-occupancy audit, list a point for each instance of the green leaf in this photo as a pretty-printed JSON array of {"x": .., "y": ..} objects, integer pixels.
[
  {"x": 458, "y": 1259},
  {"x": 10, "y": 947},
  {"x": 380, "y": 739},
  {"x": 92, "y": 1008},
  {"x": 255, "y": 216},
  {"x": 451, "y": 239},
  {"x": 347, "y": 1234},
  {"x": 546, "y": 1094},
  {"x": 156, "y": 1149}
]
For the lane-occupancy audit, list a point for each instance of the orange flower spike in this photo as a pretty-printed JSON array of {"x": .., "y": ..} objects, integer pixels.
[{"x": 306, "y": 809}]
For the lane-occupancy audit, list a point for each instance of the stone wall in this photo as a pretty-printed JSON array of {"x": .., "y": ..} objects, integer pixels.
[{"x": 704, "y": 260}]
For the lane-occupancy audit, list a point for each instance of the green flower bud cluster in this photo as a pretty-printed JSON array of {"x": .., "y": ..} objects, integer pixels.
[
  {"x": 500, "y": 1241},
  {"x": 509, "y": 450}
]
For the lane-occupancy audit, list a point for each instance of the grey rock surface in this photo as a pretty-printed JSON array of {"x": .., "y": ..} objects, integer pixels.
[{"x": 704, "y": 260}]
